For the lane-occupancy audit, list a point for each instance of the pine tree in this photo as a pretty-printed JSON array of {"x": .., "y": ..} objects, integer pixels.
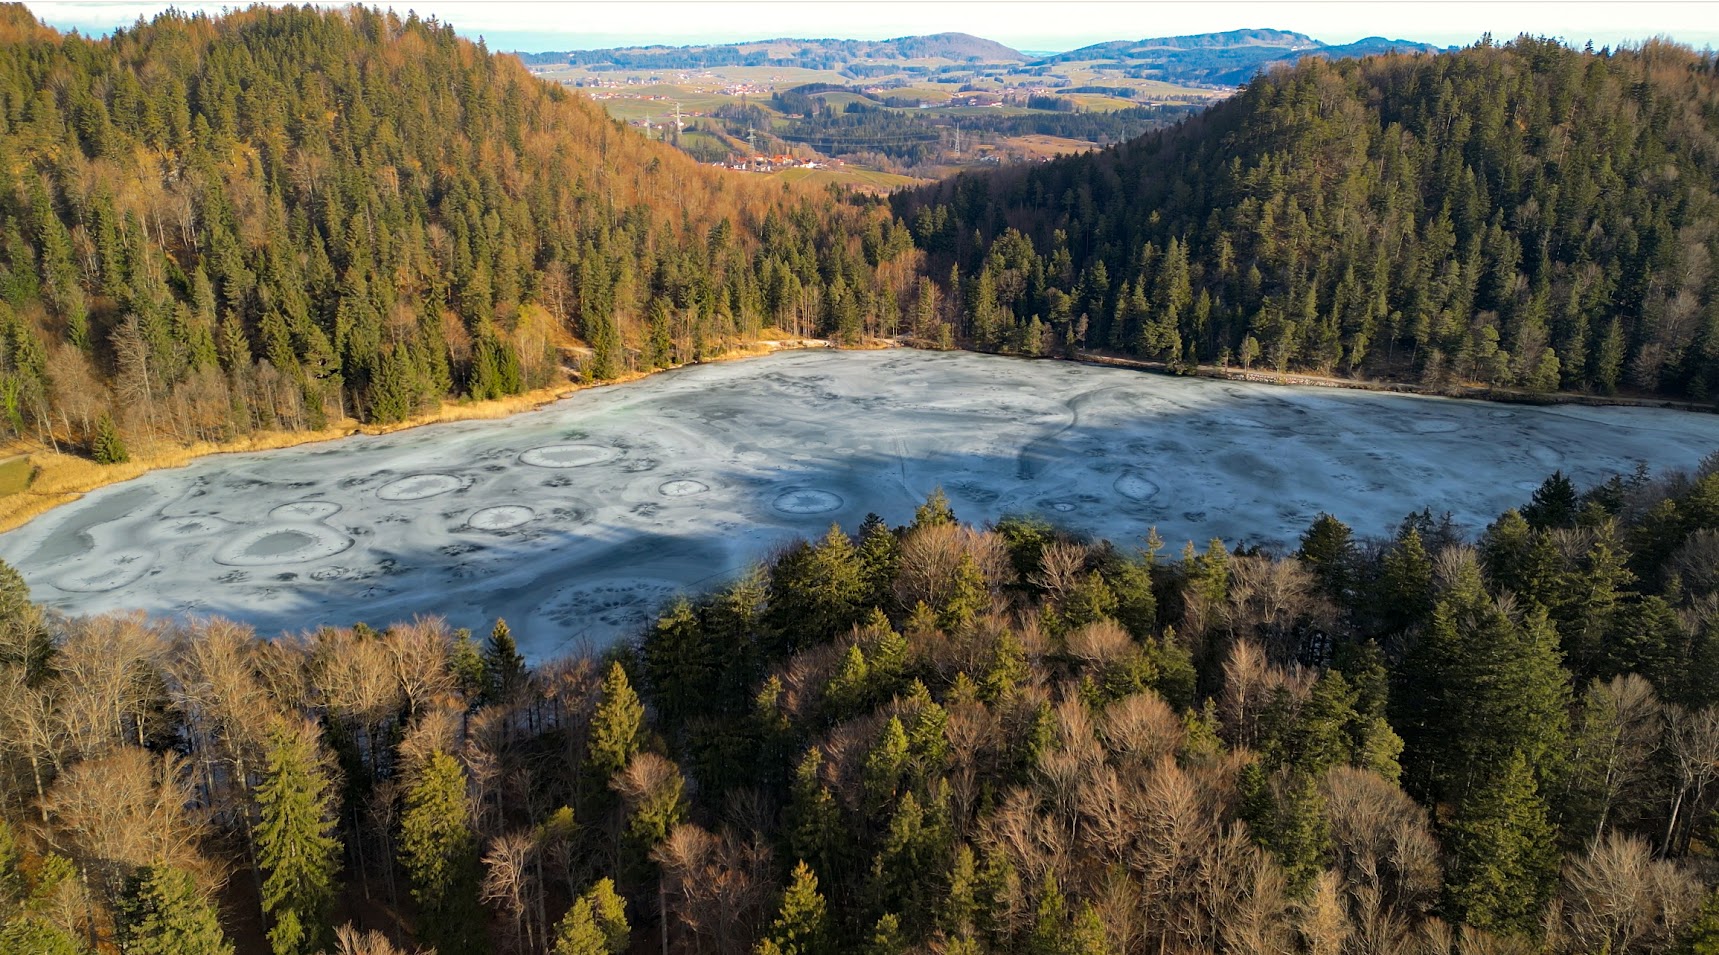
[
  {"x": 578, "y": 932},
  {"x": 1701, "y": 937},
  {"x": 1049, "y": 934},
  {"x": 466, "y": 664},
  {"x": 801, "y": 926},
  {"x": 504, "y": 669},
  {"x": 596, "y": 924},
  {"x": 33, "y": 936},
  {"x": 934, "y": 512},
  {"x": 813, "y": 819},
  {"x": 107, "y": 447},
  {"x": 1405, "y": 591},
  {"x": 439, "y": 853},
  {"x": 1299, "y": 836},
  {"x": 617, "y": 727},
  {"x": 879, "y": 555},
  {"x": 969, "y": 595},
  {"x": 297, "y": 848},
  {"x": 163, "y": 913},
  {"x": 1328, "y": 547},
  {"x": 1554, "y": 503},
  {"x": 1503, "y": 852},
  {"x": 681, "y": 664}
]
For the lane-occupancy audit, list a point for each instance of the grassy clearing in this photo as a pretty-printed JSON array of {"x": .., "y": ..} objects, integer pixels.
[
  {"x": 869, "y": 180},
  {"x": 15, "y": 474}
]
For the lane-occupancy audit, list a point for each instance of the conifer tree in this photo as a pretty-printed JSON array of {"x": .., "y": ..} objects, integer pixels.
[
  {"x": 970, "y": 595},
  {"x": 297, "y": 848},
  {"x": 879, "y": 555},
  {"x": 1503, "y": 852},
  {"x": 681, "y": 665},
  {"x": 33, "y": 936},
  {"x": 466, "y": 663},
  {"x": 1702, "y": 935},
  {"x": 1328, "y": 547},
  {"x": 813, "y": 818},
  {"x": 1405, "y": 592},
  {"x": 503, "y": 667},
  {"x": 107, "y": 447},
  {"x": 440, "y": 855},
  {"x": 596, "y": 924},
  {"x": 934, "y": 512},
  {"x": 801, "y": 926},
  {"x": 163, "y": 913},
  {"x": 617, "y": 727}
]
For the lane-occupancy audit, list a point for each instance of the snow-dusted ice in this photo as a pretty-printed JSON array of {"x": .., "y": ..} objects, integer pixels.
[{"x": 577, "y": 521}]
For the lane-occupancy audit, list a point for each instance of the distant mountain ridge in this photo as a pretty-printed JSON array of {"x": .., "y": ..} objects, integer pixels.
[
  {"x": 790, "y": 52},
  {"x": 1230, "y": 58}
]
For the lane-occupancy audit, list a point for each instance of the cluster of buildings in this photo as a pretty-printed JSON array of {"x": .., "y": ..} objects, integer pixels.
[{"x": 775, "y": 163}]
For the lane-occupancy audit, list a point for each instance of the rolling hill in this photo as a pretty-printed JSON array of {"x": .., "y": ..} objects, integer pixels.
[
  {"x": 1524, "y": 215},
  {"x": 1229, "y": 58},
  {"x": 785, "y": 52},
  {"x": 282, "y": 218}
]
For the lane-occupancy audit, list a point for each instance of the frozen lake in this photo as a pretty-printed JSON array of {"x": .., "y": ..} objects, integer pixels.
[{"x": 577, "y": 521}]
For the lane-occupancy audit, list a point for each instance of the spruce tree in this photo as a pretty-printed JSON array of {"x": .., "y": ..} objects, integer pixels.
[
  {"x": 801, "y": 926},
  {"x": 879, "y": 556},
  {"x": 163, "y": 913},
  {"x": 297, "y": 848},
  {"x": 1503, "y": 853},
  {"x": 439, "y": 853},
  {"x": 107, "y": 447},
  {"x": 1328, "y": 548},
  {"x": 1701, "y": 937},
  {"x": 596, "y": 924},
  {"x": 34, "y": 936},
  {"x": 935, "y": 512},
  {"x": 503, "y": 667},
  {"x": 617, "y": 727}
]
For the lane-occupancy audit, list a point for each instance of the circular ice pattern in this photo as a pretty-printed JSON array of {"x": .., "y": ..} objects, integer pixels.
[
  {"x": 500, "y": 518},
  {"x": 686, "y": 487},
  {"x": 807, "y": 500},
  {"x": 568, "y": 455},
  {"x": 305, "y": 511},
  {"x": 1136, "y": 486},
  {"x": 416, "y": 487},
  {"x": 282, "y": 544},
  {"x": 109, "y": 571}
]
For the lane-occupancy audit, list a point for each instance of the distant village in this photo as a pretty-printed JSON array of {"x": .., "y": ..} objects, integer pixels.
[{"x": 777, "y": 163}]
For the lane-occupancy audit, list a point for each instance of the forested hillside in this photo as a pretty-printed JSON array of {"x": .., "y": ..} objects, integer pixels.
[
  {"x": 1526, "y": 214},
  {"x": 932, "y": 738},
  {"x": 283, "y": 217}
]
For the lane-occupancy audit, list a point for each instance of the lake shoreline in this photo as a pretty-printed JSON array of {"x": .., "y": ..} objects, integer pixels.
[
  {"x": 59, "y": 478},
  {"x": 1458, "y": 391},
  {"x": 580, "y": 521}
]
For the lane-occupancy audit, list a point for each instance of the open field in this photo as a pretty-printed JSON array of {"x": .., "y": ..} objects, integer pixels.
[
  {"x": 15, "y": 474},
  {"x": 865, "y": 180}
]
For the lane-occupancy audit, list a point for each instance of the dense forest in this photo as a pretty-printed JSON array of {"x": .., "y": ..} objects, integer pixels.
[
  {"x": 1525, "y": 214},
  {"x": 930, "y": 738},
  {"x": 937, "y": 737},
  {"x": 286, "y": 217}
]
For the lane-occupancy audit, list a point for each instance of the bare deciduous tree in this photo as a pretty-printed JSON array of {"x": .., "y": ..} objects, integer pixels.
[{"x": 1617, "y": 898}]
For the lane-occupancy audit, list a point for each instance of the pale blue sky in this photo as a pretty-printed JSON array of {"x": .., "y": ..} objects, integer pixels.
[{"x": 1025, "y": 24}]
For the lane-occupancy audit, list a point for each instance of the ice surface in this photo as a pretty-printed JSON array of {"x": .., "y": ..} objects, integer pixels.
[{"x": 577, "y": 521}]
